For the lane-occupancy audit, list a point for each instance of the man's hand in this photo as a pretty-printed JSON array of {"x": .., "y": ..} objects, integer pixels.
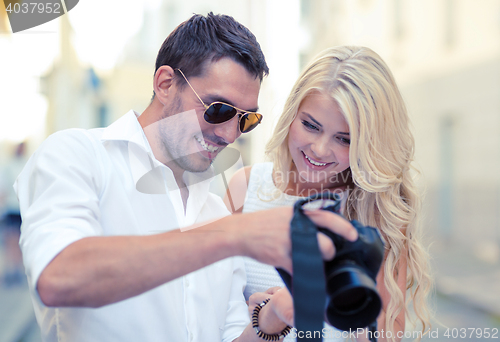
[{"x": 265, "y": 235}]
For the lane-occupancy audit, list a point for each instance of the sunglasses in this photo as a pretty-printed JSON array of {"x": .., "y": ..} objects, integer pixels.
[{"x": 219, "y": 112}]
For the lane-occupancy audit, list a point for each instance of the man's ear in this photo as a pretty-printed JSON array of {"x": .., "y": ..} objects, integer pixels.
[{"x": 163, "y": 81}]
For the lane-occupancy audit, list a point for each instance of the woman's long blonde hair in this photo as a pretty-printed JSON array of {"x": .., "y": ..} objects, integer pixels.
[{"x": 381, "y": 155}]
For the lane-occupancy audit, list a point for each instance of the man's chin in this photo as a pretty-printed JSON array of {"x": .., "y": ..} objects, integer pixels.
[
  {"x": 201, "y": 169},
  {"x": 198, "y": 166}
]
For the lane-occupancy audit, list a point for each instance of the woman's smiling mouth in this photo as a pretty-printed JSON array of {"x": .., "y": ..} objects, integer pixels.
[{"x": 314, "y": 162}]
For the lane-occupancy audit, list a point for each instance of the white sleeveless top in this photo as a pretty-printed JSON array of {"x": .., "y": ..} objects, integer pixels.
[{"x": 261, "y": 277}]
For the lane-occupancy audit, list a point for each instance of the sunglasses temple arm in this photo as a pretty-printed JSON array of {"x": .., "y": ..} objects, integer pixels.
[{"x": 190, "y": 86}]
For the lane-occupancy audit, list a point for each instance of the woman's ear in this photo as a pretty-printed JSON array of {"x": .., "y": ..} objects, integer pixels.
[{"x": 162, "y": 83}]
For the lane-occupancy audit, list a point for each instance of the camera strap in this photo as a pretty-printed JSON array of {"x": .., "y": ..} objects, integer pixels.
[{"x": 308, "y": 285}]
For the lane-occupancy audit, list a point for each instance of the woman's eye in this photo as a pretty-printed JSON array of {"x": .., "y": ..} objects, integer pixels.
[
  {"x": 345, "y": 141},
  {"x": 309, "y": 126}
]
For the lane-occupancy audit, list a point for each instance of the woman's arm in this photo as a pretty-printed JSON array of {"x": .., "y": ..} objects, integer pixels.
[{"x": 237, "y": 190}]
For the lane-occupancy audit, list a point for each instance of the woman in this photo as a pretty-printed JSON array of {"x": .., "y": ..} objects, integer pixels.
[{"x": 345, "y": 129}]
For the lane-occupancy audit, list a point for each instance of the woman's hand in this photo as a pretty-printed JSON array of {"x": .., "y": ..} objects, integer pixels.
[
  {"x": 259, "y": 297},
  {"x": 280, "y": 306}
]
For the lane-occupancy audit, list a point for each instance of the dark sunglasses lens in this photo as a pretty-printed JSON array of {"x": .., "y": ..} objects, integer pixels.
[
  {"x": 219, "y": 112},
  {"x": 249, "y": 121}
]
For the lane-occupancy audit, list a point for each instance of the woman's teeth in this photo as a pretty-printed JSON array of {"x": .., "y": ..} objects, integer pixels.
[
  {"x": 314, "y": 162},
  {"x": 206, "y": 147}
]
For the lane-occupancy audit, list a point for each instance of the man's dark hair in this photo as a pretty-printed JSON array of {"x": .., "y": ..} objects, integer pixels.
[{"x": 201, "y": 39}]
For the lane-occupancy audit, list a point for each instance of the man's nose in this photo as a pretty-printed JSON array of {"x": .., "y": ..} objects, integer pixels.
[{"x": 229, "y": 130}]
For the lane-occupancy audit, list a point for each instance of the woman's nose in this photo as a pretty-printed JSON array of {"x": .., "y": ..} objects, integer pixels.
[{"x": 322, "y": 149}]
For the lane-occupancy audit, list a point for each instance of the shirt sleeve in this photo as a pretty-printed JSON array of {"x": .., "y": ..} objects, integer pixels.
[
  {"x": 237, "y": 317},
  {"x": 58, "y": 191}
]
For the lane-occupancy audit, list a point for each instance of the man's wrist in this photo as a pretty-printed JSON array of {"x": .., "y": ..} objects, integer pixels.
[{"x": 234, "y": 235}]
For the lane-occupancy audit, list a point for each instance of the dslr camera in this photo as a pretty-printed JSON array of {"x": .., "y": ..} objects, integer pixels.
[{"x": 352, "y": 300}]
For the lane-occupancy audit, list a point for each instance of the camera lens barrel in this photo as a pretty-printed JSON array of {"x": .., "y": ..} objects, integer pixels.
[
  {"x": 353, "y": 301},
  {"x": 341, "y": 291}
]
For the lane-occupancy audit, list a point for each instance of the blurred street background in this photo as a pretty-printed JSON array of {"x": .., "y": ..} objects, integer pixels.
[{"x": 89, "y": 67}]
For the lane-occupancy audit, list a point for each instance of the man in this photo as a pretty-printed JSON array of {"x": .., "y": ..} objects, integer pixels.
[{"x": 102, "y": 209}]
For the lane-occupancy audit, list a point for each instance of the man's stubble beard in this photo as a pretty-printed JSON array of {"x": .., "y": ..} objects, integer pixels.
[{"x": 181, "y": 158}]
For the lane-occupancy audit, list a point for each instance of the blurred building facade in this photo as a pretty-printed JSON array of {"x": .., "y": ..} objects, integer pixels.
[{"x": 445, "y": 55}]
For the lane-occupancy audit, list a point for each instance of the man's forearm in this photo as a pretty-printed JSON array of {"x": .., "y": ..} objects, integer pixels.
[{"x": 96, "y": 271}]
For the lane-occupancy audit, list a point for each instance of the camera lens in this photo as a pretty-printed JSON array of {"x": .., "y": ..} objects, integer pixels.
[{"x": 353, "y": 301}]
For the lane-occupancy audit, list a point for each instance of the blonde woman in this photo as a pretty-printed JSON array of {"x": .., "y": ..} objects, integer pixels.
[{"x": 345, "y": 129}]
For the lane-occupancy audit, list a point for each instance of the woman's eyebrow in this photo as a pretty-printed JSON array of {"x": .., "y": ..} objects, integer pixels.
[
  {"x": 320, "y": 125},
  {"x": 313, "y": 119}
]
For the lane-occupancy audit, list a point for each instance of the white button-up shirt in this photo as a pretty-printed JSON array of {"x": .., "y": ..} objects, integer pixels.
[{"x": 104, "y": 182}]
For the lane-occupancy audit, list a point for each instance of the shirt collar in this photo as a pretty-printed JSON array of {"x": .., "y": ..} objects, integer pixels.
[
  {"x": 125, "y": 128},
  {"x": 149, "y": 174}
]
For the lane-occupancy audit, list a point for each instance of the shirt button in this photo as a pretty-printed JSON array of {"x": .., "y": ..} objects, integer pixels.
[
  {"x": 187, "y": 285},
  {"x": 190, "y": 336}
]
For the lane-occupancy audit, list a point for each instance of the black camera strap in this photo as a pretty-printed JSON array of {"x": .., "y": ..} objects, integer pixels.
[{"x": 308, "y": 285}]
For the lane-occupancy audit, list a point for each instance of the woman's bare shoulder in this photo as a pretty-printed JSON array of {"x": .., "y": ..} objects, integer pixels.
[{"x": 237, "y": 190}]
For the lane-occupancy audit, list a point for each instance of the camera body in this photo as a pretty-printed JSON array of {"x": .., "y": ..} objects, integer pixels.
[{"x": 352, "y": 299}]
